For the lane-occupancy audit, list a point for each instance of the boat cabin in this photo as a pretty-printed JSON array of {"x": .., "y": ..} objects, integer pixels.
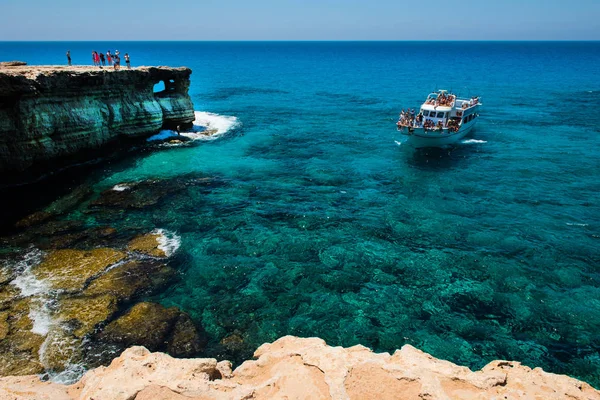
[{"x": 442, "y": 107}]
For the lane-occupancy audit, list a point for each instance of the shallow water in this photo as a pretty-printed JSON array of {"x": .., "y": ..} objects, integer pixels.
[{"x": 325, "y": 223}]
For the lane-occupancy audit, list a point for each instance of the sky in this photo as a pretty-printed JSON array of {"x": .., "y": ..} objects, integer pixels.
[{"x": 68, "y": 20}]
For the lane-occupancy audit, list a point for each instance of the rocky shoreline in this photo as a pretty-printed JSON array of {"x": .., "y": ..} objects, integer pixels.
[
  {"x": 295, "y": 368},
  {"x": 72, "y": 295}
]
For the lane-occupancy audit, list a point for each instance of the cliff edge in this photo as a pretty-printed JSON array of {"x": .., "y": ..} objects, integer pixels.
[
  {"x": 49, "y": 113},
  {"x": 295, "y": 368}
]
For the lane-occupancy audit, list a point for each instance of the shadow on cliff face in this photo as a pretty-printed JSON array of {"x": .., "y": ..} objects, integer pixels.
[{"x": 24, "y": 193}]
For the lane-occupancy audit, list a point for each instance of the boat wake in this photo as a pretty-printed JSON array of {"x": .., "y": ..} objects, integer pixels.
[
  {"x": 473, "y": 141},
  {"x": 207, "y": 126}
]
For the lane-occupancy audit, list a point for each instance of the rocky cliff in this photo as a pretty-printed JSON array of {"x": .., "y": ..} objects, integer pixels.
[
  {"x": 53, "y": 113},
  {"x": 294, "y": 368}
]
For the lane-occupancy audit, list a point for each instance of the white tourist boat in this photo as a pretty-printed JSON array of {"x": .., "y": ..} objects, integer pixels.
[{"x": 443, "y": 120}]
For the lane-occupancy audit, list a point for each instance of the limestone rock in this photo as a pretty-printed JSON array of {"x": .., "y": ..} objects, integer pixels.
[
  {"x": 140, "y": 369},
  {"x": 31, "y": 388},
  {"x": 19, "y": 346},
  {"x": 33, "y": 219},
  {"x": 129, "y": 279},
  {"x": 57, "y": 113},
  {"x": 60, "y": 349},
  {"x": 12, "y": 63},
  {"x": 86, "y": 238},
  {"x": 84, "y": 313},
  {"x": 6, "y": 275},
  {"x": 147, "y": 324},
  {"x": 185, "y": 340},
  {"x": 8, "y": 293},
  {"x": 295, "y": 368},
  {"x": 71, "y": 269},
  {"x": 147, "y": 244},
  {"x": 158, "y": 328},
  {"x": 18, "y": 364},
  {"x": 4, "y": 327}
]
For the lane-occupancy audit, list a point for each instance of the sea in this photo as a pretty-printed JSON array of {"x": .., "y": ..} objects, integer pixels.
[{"x": 325, "y": 222}]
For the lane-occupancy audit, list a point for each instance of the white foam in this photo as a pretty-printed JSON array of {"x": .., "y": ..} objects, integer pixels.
[
  {"x": 121, "y": 188},
  {"x": 168, "y": 241},
  {"x": 70, "y": 375},
  {"x": 398, "y": 143},
  {"x": 473, "y": 141},
  {"x": 57, "y": 342},
  {"x": 38, "y": 289},
  {"x": 221, "y": 124},
  {"x": 27, "y": 283},
  {"x": 206, "y": 126},
  {"x": 40, "y": 315},
  {"x": 576, "y": 224}
]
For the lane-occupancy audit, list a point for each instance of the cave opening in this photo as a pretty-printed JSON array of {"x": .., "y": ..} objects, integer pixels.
[{"x": 159, "y": 87}]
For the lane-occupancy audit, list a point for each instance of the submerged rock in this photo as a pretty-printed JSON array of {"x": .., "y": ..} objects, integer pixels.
[
  {"x": 148, "y": 324},
  {"x": 155, "y": 327},
  {"x": 60, "y": 349},
  {"x": 130, "y": 279},
  {"x": 185, "y": 340},
  {"x": 82, "y": 314},
  {"x": 19, "y": 346},
  {"x": 71, "y": 269},
  {"x": 4, "y": 327},
  {"x": 87, "y": 238},
  {"x": 33, "y": 219},
  {"x": 233, "y": 342}
]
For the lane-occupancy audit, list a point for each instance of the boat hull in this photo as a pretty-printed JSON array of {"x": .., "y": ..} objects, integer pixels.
[{"x": 420, "y": 138}]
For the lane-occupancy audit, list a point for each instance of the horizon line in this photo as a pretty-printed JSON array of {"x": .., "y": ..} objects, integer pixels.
[{"x": 307, "y": 40}]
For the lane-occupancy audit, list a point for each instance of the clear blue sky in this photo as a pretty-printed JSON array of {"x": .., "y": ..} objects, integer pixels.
[{"x": 299, "y": 20}]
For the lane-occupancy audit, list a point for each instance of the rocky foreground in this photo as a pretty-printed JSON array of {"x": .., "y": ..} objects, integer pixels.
[{"x": 295, "y": 368}]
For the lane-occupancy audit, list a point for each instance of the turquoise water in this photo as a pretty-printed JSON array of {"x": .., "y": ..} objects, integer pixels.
[{"x": 321, "y": 222}]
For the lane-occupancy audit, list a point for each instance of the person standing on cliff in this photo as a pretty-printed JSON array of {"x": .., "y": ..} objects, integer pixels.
[
  {"x": 117, "y": 62},
  {"x": 69, "y": 57},
  {"x": 127, "y": 61},
  {"x": 102, "y": 59},
  {"x": 109, "y": 57}
]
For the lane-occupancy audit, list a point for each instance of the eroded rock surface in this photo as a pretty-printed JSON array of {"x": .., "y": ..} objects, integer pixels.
[
  {"x": 295, "y": 368},
  {"x": 49, "y": 113}
]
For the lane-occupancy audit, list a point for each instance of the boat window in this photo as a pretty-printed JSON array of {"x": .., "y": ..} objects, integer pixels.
[
  {"x": 426, "y": 113},
  {"x": 440, "y": 115}
]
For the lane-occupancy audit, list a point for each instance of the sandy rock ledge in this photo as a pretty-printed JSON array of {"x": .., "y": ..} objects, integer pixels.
[{"x": 295, "y": 368}]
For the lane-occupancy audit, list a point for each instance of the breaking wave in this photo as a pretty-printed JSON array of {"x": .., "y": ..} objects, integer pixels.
[
  {"x": 206, "y": 126},
  {"x": 168, "y": 241},
  {"x": 38, "y": 289}
]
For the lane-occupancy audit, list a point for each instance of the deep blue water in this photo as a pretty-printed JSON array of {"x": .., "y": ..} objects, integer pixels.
[{"x": 323, "y": 225}]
